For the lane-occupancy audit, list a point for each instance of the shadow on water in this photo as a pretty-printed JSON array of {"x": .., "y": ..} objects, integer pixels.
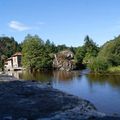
[
  {"x": 44, "y": 76},
  {"x": 113, "y": 80}
]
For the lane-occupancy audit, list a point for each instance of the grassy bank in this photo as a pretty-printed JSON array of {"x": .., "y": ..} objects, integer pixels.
[{"x": 114, "y": 69}]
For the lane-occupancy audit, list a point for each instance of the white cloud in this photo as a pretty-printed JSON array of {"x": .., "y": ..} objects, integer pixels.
[{"x": 18, "y": 26}]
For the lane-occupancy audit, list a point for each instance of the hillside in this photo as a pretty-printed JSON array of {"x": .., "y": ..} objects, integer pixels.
[{"x": 111, "y": 51}]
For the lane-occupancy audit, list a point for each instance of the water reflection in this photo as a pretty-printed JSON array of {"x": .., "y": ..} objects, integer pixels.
[
  {"x": 113, "y": 80},
  {"x": 44, "y": 76},
  {"x": 16, "y": 74},
  {"x": 64, "y": 76},
  {"x": 38, "y": 76}
]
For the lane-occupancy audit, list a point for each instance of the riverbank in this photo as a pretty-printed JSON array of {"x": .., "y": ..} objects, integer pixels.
[
  {"x": 115, "y": 69},
  {"x": 30, "y": 100}
]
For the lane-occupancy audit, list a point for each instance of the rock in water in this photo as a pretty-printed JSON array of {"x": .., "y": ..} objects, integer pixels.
[{"x": 64, "y": 60}]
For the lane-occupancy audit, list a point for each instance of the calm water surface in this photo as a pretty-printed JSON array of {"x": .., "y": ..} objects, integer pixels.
[{"x": 102, "y": 90}]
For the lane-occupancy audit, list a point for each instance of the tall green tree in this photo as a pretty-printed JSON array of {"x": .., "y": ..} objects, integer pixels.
[
  {"x": 35, "y": 56},
  {"x": 50, "y": 47},
  {"x": 80, "y": 54},
  {"x": 87, "y": 51},
  {"x": 91, "y": 49},
  {"x": 61, "y": 47},
  {"x": 8, "y": 46}
]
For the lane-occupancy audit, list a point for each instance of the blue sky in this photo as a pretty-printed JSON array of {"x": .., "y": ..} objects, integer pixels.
[{"x": 61, "y": 21}]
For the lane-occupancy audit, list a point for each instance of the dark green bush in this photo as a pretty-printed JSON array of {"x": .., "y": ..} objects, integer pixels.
[{"x": 98, "y": 64}]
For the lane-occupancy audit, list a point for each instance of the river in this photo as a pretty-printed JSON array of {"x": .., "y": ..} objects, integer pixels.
[{"x": 102, "y": 90}]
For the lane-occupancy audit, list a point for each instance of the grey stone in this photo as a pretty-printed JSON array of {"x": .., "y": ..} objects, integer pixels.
[{"x": 64, "y": 61}]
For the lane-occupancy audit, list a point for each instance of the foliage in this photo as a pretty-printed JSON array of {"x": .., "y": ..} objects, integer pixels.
[
  {"x": 87, "y": 51},
  {"x": 73, "y": 49},
  {"x": 38, "y": 54},
  {"x": 8, "y": 46},
  {"x": 61, "y": 48},
  {"x": 91, "y": 49},
  {"x": 114, "y": 69},
  {"x": 111, "y": 51},
  {"x": 80, "y": 54},
  {"x": 35, "y": 55},
  {"x": 50, "y": 47},
  {"x": 108, "y": 57},
  {"x": 98, "y": 65}
]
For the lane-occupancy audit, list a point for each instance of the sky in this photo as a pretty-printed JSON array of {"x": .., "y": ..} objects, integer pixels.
[{"x": 61, "y": 21}]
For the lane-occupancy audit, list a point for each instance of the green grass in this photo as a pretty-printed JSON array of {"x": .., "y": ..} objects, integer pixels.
[{"x": 114, "y": 69}]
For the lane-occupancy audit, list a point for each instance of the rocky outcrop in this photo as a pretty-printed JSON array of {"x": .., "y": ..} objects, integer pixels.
[
  {"x": 30, "y": 100},
  {"x": 64, "y": 60}
]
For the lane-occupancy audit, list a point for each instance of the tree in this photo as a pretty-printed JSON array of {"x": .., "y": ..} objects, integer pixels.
[
  {"x": 50, "y": 47},
  {"x": 8, "y": 46},
  {"x": 61, "y": 47},
  {"x": 91, "y": 49},
  {"x": 35, "y": 56},
  {"x": 80, "y": 54},
  {"x": 98, "y": 65},
  {"x": 111, "y": 51},
  {"x": 73, "y": 49},
  {"x": 108, "y": 57},
  {"x": 87, "y": 51}
]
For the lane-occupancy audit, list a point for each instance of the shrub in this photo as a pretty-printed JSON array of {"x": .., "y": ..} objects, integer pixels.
[
  {"x": 98, "y": 64},
  {"x": 114, "y": 69}
]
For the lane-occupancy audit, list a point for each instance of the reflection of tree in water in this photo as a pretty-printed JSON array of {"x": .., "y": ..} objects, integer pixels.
[
  {"x": 45, "y": 76},
  {"x": 63, "y": 75},
  {"x": 113, "y": 80}
]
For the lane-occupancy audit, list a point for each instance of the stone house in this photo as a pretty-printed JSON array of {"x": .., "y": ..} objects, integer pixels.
[{"x": 14, "y": 62}]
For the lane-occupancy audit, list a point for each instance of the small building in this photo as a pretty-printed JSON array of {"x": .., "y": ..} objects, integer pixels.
[
  {"x": 8, "y": 64},
  {"x": 14, "y": 62},
  {"x": 16, "y": 58}
]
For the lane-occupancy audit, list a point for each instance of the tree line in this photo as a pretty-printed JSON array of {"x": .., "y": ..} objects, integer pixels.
[{"x": 39, "y": 54}]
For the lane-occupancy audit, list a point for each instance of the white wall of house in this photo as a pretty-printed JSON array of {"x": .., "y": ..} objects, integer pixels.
[
  {"x": 8, "y": 65},
  {"x": 15, "y": 61}
]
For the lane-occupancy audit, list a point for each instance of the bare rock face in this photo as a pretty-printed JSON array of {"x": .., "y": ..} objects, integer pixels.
[
  {"x": 23, "y": 100},
  {"x": 64, "y": 60}
]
